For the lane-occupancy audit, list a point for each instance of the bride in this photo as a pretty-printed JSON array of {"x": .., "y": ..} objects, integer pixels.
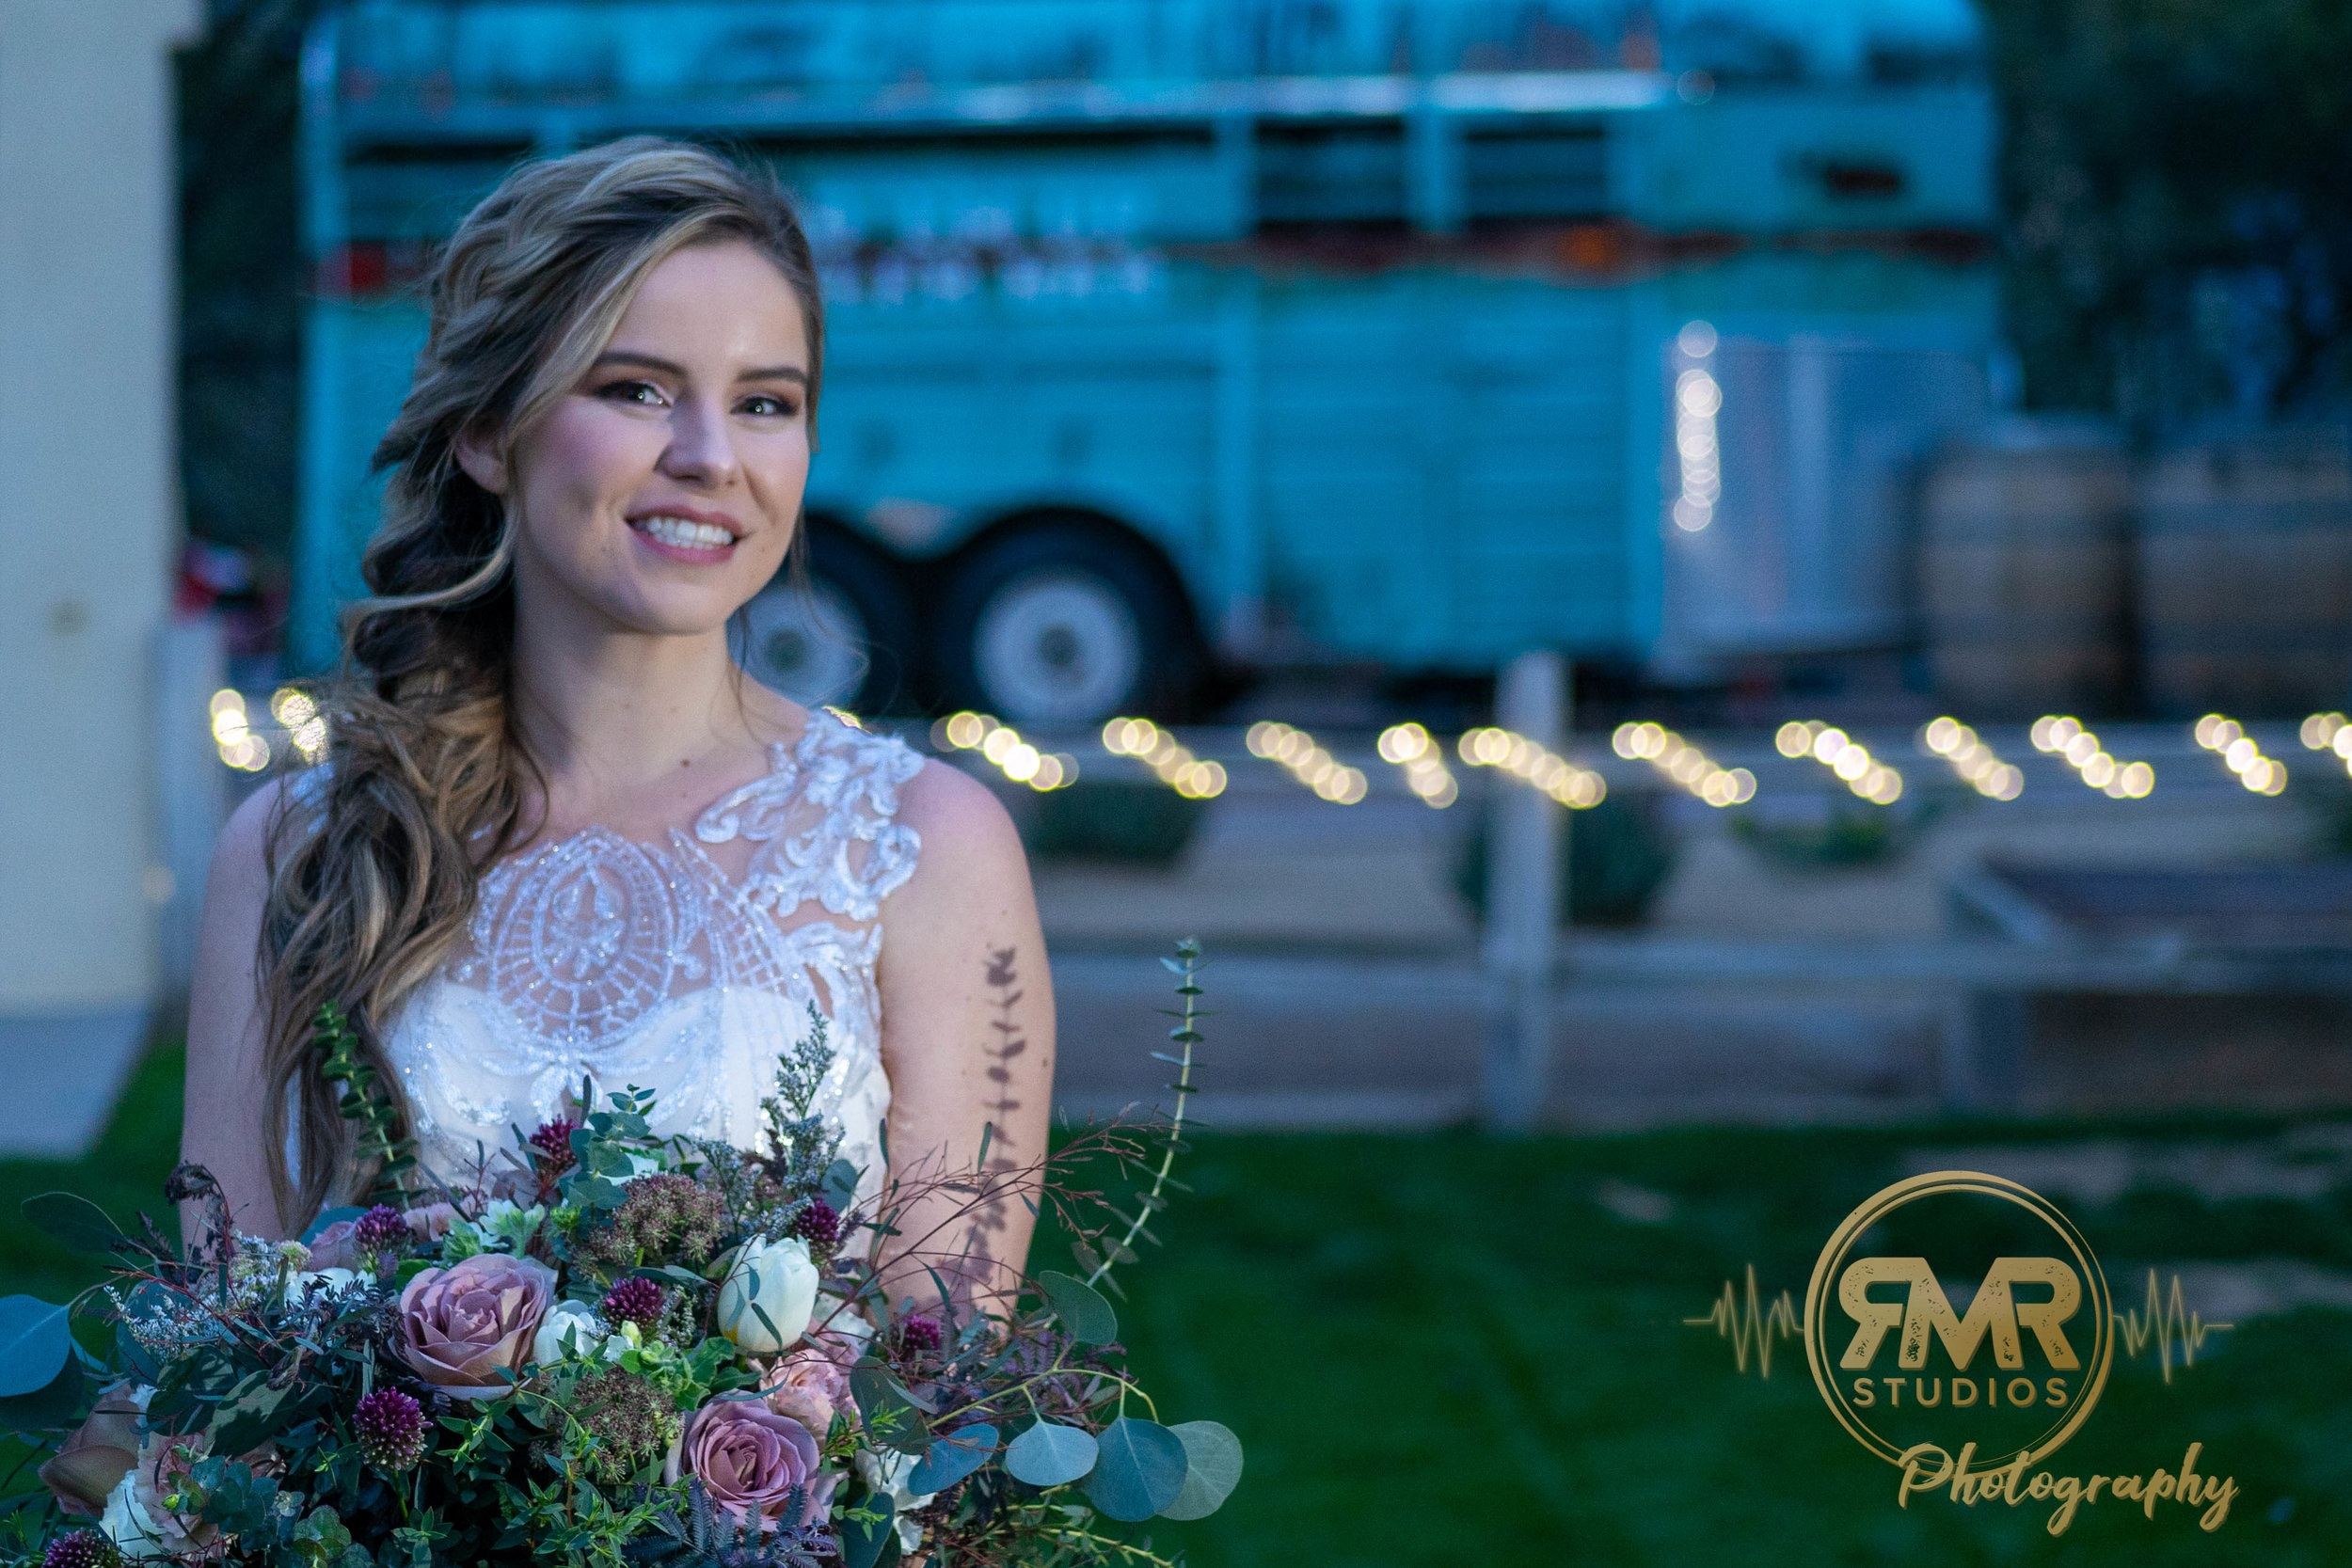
[{"x": 559, "y": 833}]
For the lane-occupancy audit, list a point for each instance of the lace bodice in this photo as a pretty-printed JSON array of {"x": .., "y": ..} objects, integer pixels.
[{"x": 684, "y": 967}]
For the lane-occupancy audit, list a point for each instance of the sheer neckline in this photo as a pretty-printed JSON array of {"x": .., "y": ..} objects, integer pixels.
[{"x": 787, "y": 760}]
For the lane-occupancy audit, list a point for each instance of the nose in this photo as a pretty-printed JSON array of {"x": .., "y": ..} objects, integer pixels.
[{"x": 702, "y": 448}]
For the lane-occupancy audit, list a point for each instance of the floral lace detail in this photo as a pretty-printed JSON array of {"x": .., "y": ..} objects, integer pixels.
[{"x": 653, "y": 965}]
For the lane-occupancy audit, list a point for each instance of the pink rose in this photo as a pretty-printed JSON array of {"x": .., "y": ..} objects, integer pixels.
[
  {"x": 464, "y": 1328},
  {"x": 100, "y": 1454},
  {"x": 336, "y": 1247},
  {"x": 750, "y": 1459},
  {"x": 430, "y": 1223},
  {"x": 807, "y": 1386}
]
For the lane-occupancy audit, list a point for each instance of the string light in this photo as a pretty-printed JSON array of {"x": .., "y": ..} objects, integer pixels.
[
  {"x": 1409, "y": 747},
  {"x": 1002, "y": 746},
  {"x": 2228, "y": 738},
  {"x": 1309, "y": 763},
  {"x": 233, "y": 735},
  {"x": 301, "y": 719},
  {"x": 2329, "y": 732},
  {"x": 1578, "y": 789},
  {"x": 1158, "y": 750},
  {"x": 1843, "y": 755},
  {"x": 1973, "y": 760},
  {"x": 2066, "y": 738}
]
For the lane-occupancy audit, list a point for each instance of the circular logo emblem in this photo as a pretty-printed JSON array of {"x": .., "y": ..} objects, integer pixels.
[{"x": 1958, "y": 1307}]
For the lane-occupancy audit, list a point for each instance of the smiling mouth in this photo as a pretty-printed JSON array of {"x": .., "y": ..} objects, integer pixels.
[{"x": 683, "y": 533}]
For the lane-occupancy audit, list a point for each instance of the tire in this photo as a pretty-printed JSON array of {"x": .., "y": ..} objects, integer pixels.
[
  {"x": 844, "y": 642},
  {"x": 1062, "y": 625}
]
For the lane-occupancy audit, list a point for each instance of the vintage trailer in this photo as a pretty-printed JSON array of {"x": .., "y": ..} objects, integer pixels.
[{"x": 1165, "y": 332}]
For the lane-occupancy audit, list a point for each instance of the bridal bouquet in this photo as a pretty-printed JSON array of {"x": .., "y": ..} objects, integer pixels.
[{"x": 609, "y": 1348}]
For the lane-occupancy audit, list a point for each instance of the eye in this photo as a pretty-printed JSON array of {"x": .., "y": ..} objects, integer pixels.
[
  {"x": 769, "y": 405},
  {"x": 644, "y": 394}
]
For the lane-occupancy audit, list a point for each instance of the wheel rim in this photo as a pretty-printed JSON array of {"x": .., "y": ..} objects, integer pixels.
[
  {"x": 1056, "y": 648},
  {"x": 811, "y": 647}
]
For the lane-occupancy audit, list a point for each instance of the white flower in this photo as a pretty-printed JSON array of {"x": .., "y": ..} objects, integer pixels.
[
  {"x": 127, "y": 1523},
  {"x": 836, "y": 1316},
  {"x": 888, "y": 1472},
  {"x": 335, "y": 1282},
  {"x": 573, "y": 1327},
  {"x": 769, "y": 1292}
]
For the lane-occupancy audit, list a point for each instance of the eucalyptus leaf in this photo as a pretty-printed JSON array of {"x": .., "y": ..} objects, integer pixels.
[
  {"x": 841, "y": 1186},
  {"x": 862, "y": 1541},
  {"x": 44, "y": 1408},
  {"x": 70, "y": 1218},
  {"x": 1213, "y": 1469},
  {"x": 1141, "y": 1471},
  {"x": 1081, "y": 1308},
  {"x": 1050, "y": 1454},
  {"x": 892, "y": 1418},
  {"x": 34, "y": 1344},
  {"x": 951, "y": 1457}
]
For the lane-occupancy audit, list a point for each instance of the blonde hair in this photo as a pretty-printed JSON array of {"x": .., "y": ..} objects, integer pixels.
[{"x": 374, "y": 872}]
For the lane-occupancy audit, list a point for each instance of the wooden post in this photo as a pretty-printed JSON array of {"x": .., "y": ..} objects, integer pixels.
[{"x": 1522, "y": 899}]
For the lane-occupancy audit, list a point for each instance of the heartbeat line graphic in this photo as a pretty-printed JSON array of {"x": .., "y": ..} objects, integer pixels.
[
  {"x": 2167, "y": 1319},
  {"x": 1750, "y": 1326}
]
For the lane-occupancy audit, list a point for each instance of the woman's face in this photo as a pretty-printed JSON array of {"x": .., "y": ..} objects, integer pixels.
[{"x": 659, "y": 494}]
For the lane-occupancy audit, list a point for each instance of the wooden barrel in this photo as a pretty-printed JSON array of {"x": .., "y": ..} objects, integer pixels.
[
  {"x": 2245, "y": 567},
  {"x": 2024, "y": 570}
]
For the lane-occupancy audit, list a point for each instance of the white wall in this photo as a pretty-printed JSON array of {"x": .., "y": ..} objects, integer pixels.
[{"x": 89, "y": 506}]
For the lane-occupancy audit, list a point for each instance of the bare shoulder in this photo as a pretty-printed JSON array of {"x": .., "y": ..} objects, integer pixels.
[
  {"x": 965, "y": 829},
  {"x": 241, "y": 856}
]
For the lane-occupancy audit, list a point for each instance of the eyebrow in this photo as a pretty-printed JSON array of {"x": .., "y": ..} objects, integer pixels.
[{"x": 652, "y": 362}]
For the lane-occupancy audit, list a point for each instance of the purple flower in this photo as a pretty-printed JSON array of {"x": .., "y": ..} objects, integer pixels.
[
  {"x": 81, "y": 1548},
  {"x": 818, "y": 1224},
  {"x": 751, "y": 1459},
  {"x": 553, "y": 1143},
  {"x": 466, "y": 1328},
  {"x": 380, "y": 1230},
  {"x": 919, "y": 1334},
  {"x": 391, "y": 1431},
  {"x": 636, "y": 1300}
]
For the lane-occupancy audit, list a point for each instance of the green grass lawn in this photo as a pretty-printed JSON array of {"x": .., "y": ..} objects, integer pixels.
[{"x": 1442, "y": 1350}]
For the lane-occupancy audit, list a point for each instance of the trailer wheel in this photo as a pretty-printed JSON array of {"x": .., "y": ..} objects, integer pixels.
[
  {"x": 842, "y": 641},
  {"x": 1059, "y": 626}
]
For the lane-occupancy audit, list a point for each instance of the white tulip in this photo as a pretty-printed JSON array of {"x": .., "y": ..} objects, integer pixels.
[{"x": 768, "y": 1296}]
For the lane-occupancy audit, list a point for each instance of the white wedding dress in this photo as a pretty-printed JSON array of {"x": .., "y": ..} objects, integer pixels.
[{"x": 685, "y": 967}]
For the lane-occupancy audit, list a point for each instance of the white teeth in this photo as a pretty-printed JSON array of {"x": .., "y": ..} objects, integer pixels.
[{"x": 692, "y": 535}]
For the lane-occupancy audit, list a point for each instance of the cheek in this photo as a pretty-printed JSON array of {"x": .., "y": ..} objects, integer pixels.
[{"x": 577, "y": 466}]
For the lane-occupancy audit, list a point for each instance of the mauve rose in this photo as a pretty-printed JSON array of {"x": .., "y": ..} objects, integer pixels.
[
  {"x": 430, "y": 1223},
  {"x": 462, "y": 1327},
  {"x": 807, "y": 1386},
  {"x": 750, "y": 1459},
  {"x": 336, "y": 1247},
  {"x": 100, "y": 1454}
]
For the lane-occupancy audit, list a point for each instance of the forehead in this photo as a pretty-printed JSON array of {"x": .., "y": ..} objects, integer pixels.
[{"x": 712, "y": 304}]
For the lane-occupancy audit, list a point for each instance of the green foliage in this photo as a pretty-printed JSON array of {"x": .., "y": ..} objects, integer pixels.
[
  {"x": 1615, "y": 857},
  {"x": 2179, "y": 205},
  {"x": 1131, "y": 821},
  {"x": 382, "y": 1144}
]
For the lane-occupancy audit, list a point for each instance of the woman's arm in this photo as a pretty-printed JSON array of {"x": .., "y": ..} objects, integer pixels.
[
  {"x": 967, "y": 1012},
  {"x": 224, "y": 1125}
]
